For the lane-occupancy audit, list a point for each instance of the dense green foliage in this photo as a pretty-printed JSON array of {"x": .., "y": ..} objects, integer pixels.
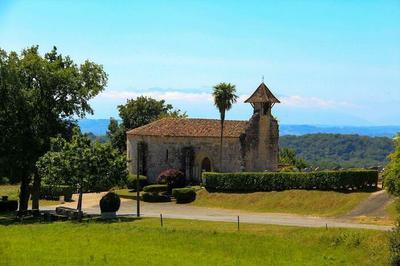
[
  {"x": 117, "y": 135},
  {"x": 392, "y": 170},
  {"x": 155, "y": 188},
  {"x": 82, "y": 163},
  {"x": 53, "y": 192},
  {"x": 394, "y": 246},
  {"x": 288, "y": 158},
  {"x": 392, "y": 185},
  {"x": 110, "y": 202},
  {"x": 41, "y": 96},
  {"x": 324, "y": 180},
  {"x": 184, "y": 195},
  {"x": 335, "y": 150},
  {"x": 131, "y": 181},
  {"x": 155, "y": 197},
  {"x": 136, "y": 113}
]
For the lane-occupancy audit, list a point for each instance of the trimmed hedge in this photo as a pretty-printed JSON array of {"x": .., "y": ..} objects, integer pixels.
[
  {"x": 8, "y": 205},
  {"x": 324, "y": 180},
  {"x": 155, "y": 188},
  {"x": 54, "y": 192},
  {"x": 131, "y": 181},
  {"x": 152, "y": 197},
  {"x": 110, "y": 202},
  {"x": 184, "y": 195}
]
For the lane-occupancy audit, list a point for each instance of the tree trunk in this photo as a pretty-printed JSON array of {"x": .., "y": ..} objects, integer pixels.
[
  {"x": 79, "y": 207},
  {"x": 24, "y": 195},
  {"x": 35, "y": 191},
  {"x": 222, "y": 136}
]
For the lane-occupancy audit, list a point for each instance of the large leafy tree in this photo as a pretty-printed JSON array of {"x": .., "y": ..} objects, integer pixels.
[
  {"x": 224, "y": 97},
  {"x": 391, "y": 176},
  {"x": 136, "y": 113},
  {"x": 392, "y": 170},
  {"x": 40, "y": 97},
  {"x": 82, "y": 163}
]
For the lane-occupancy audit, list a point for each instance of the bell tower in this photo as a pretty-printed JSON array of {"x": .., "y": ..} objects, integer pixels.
[
  {"x": 260, "y": 142},
  {"x": 262, "y": 100}
]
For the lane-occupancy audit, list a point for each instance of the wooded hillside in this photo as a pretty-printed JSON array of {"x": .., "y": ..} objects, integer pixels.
[{"x": 337, "y": 150}]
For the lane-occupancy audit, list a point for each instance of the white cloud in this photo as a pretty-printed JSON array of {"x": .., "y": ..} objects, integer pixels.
[
  {"x": 312, "y": 102},
  {"x": 167, "y": 95},
  {"x": 193, "y": 97}
]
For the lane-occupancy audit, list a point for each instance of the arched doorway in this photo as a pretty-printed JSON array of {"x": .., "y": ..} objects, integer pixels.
[{"x": 206, "y": 165}]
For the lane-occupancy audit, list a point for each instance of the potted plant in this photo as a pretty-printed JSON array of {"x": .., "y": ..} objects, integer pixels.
[{"x": 109, "y": 205}]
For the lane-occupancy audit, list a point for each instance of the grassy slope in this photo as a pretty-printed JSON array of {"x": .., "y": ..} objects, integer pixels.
[
  {"x": 183, "y": 242},
  {"x": 309, "y": 202},
  {"x": 12, "y": 191}
]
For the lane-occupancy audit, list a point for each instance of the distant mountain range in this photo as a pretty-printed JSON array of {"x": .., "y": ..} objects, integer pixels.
[{"x": 99, "y": 127}]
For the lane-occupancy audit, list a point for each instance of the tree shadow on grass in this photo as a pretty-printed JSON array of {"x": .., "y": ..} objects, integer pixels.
[
  {"x": 11, "y": 218},
  {"x": 118, "y": 219}
]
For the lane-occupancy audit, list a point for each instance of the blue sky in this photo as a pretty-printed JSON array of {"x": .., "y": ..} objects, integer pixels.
[{"x": 329, "y": 62}]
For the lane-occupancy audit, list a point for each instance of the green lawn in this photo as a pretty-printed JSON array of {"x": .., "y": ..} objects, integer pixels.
[
  {"x": 308, "y": 202},
  {"x": 184, "y": 242},
  {"x": 12, "y": 191},
  {"x": 126, "y": 193}
]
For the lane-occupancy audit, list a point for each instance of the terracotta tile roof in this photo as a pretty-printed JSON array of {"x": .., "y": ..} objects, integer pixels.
[
  {"x": 261, "y": 95},
  {"x": 190, "y": 127}
]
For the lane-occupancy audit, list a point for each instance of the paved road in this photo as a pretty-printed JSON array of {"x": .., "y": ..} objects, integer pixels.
[{"x": 177, "y": 211}]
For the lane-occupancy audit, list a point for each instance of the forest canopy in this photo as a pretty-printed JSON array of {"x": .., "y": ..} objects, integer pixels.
[{"x": 337, "y": 150}]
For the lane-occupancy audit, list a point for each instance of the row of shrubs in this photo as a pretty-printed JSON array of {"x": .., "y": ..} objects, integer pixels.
[
  {"x": 171, "y": 182},
  {"x": 269, "y": 181},
  {"x": 171, "y": 178},
  {"x": 159, "y": 193},
  {"x": 8, "y": 205}
]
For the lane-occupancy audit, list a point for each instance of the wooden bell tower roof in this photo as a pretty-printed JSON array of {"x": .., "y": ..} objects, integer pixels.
[{"x": 262, "y": 95}]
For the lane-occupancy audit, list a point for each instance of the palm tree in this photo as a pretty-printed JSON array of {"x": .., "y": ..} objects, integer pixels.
[{"x": 224, "y": 97}]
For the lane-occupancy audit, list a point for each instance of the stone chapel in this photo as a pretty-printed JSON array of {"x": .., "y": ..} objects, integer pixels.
[{"x": 192, "y": 145}]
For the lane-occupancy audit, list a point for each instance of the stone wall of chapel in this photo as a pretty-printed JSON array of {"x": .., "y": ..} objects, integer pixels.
[
  {"x": 157, "y": 159},
  {"x": 259, "y": 144}
]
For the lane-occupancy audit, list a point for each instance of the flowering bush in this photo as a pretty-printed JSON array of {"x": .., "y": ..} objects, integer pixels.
[{"x": 172, "y": 178}]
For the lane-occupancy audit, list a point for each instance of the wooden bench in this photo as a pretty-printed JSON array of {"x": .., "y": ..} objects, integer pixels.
[{"x": 69, "y": 212}]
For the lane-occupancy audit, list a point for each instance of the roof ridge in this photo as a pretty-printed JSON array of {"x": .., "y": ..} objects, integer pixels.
[
  {"x": 197, "y": 118},
  {"x": 190, "y": 127},
  {"x": 262, "y": 94}
]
